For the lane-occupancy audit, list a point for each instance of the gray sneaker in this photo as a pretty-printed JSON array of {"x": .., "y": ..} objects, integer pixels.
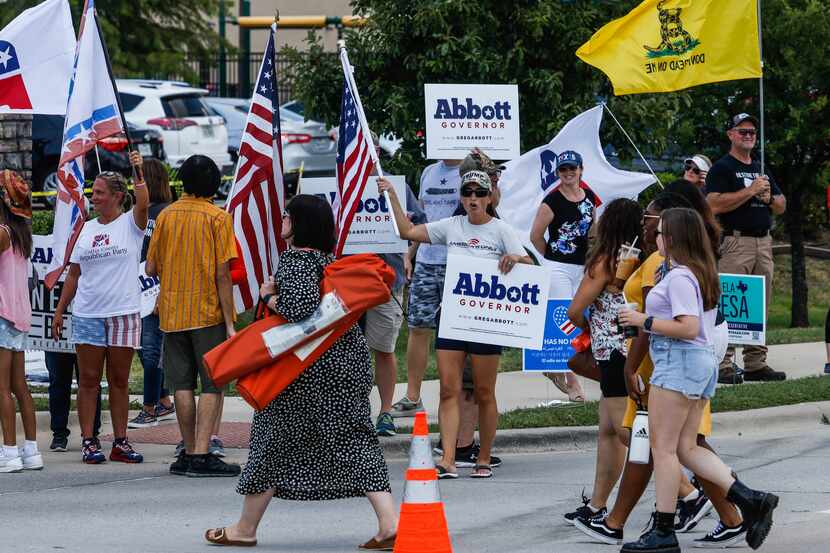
[
  {"x": 179, "y": 449},
  {"x": 406, "y": 408},
  {"x": 385, "y": 425},
  {"x": 216, "y": 447}
]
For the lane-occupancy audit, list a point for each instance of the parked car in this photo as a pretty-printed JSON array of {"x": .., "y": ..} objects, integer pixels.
[
  {"x": 47, "y": 140},
  {"x": 180, "y": 113},
  {"x": 389, "y": 144},
  {"x": 304, "y": 143}
]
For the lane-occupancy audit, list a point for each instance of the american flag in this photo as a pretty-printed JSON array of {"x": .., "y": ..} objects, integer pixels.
[
  {"x": 257, "y": 198},
  {"x": 355, "y": 157}
]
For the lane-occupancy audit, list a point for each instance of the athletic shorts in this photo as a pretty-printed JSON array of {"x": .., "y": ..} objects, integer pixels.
[
  {"x": 182, "y": 357},
  {"x": 472, "y": 348},
  {"x": 123, "y": 331},
  {"x": 425, "y": 292},
  {"x": 612, "y": 375},
  {"x": 11, "y": 338},
  {"x": 383, "y": 323}
]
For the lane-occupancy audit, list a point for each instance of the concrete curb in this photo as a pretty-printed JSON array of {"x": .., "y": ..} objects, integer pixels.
[{"x": 768, "y": 420}]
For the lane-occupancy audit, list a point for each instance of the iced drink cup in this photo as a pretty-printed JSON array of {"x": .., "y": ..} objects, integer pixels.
[{"x": 629, "y": 259}]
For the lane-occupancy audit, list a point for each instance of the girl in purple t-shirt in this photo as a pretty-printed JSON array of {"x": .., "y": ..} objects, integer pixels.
[{"x": 680, "y": 314}]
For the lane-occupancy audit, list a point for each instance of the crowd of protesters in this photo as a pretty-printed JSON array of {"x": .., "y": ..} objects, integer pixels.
[{"x": 657, "y": 338}]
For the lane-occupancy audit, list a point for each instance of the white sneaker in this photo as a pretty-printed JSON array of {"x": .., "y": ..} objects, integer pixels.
[
  {"x": 10, "y": 464},
  {"x": 32, "y": 462}
]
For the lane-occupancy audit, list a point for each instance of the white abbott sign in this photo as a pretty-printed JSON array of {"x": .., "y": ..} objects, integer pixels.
[
  {"x": 371, "y": 230},
  {"x": 480, "y": 304},
  {"x": 460, "y": 117}
]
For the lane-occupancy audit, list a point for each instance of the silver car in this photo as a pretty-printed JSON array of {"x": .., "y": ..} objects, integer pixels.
[{"x": 306, "y": 144}]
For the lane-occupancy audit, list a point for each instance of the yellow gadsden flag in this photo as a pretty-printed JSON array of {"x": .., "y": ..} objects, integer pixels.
[{"x": 667, "y": 45}]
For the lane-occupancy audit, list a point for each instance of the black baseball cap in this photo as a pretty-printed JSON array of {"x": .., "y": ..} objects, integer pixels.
[{"x": 740, "y": 118}]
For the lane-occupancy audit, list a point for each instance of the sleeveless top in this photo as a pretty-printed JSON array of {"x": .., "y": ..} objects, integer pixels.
[
  {"x": 606, "y": 334},
  {"x": 568, "y": 232},
  {"x": 15, "y": 305}
]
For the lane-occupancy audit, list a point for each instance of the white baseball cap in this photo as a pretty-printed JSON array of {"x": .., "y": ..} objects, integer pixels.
[{"x": 701, "y": 161}]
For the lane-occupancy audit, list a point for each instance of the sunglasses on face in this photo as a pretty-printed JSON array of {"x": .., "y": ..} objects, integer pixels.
[
  {"x": 478, "y": 192},
  {"x": 567, "y": 168},
  {"x": 648, "y": 216},
  {"x": 693, "y": 168},
  {"x": 747, "y": 132}
]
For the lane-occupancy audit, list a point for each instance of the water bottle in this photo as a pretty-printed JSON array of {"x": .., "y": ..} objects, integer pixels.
[{"x": 639, "y": 452}]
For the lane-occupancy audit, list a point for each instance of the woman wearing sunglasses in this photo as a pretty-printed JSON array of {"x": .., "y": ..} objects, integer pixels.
[
  {"x": 477, "y": 234},
  {"x": 566, "y": 216},
  {"x": 696, "y": 168},
  {"x": 106, "y": 315},
  {"x": 680, "y": 315}
]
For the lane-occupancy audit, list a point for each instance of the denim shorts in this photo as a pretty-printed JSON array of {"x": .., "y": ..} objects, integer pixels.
[
  {"x": 11, "y": 338},
  {"x": 118, "y": 331},
  {"x": 683, "y": 367}
]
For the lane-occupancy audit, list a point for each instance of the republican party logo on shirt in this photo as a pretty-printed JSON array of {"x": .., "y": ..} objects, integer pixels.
[{"x": 100, "y": 240}]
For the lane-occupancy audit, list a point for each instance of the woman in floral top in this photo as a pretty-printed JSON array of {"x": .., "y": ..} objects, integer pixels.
[{"x": 620, "y": 223}]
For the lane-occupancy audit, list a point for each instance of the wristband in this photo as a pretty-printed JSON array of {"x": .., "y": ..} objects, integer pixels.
[
  {"x": 647, "y": 324},
  {"x": 266, "y": 299}
]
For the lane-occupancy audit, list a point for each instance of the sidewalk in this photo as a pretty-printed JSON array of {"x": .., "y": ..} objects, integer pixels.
[{"x": 514, "y": 390}]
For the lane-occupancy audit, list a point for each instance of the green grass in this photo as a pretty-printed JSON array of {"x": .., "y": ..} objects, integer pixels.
[
  {"x": 818, "y": 285},
  {"x": 731, "y": 398},
  {"x": 42, "y": 404}
]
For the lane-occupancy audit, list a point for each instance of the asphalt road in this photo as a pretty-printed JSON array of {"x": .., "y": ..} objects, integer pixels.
[{"x": 72, "y": 507}]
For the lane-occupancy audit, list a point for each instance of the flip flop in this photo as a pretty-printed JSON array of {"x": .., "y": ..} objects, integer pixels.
[
  {"x": 488, "y": 471},
  {"x": 444, "y": 473},
  {"x": 374, "y": 545},
  {"x": 220, "y": 537}
]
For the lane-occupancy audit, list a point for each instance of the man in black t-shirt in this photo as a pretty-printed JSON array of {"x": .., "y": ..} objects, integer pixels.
[{"x": 745, "y": 200}]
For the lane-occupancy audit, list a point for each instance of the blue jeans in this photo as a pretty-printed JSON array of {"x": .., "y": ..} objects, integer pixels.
[
  {"x": 61, "y": 367},
  {"x": 683, "y": 367},
  {"x": 150, "y": 356}
]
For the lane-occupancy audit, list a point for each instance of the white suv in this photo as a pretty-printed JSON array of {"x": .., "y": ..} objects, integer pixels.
[{"x": 178, "y": 111}]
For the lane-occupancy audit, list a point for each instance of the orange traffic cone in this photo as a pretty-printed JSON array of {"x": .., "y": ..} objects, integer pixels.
[{"x": 422, "y": 527}]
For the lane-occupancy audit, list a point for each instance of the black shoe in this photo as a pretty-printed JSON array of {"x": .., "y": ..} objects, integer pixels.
[
  {"x": 653, "y": 541},
  {"x": 59, "y": 443},
  {"x": 732, "y": 375},
  {"x": 596, "y": 529},
  {"x": 468, "y": 456},
  {"x": 181, "y": 465},
  {"x": 585, "y": 511},
  {"x": 689, "y": 513},
  {"x": 210, "y": 466},
  {"x": 722, "y": 536},
  {"x": 827, "y": 368},
  {"x": 756, "y": 508},
  {"x": 764, "y": 375}
]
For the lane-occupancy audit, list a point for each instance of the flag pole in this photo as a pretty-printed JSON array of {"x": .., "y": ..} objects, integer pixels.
[
  {"x": 136, "y": 171},
  {"x": 364, "y": 124},
  {"x": 761, "y": 85},
  {"x": 632, "y": 143}
]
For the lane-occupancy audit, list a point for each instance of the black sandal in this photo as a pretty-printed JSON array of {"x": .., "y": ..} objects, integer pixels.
[{"x": 444, "y": 473}]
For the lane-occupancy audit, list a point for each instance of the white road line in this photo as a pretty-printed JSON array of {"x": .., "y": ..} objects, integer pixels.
[{"x": 827, "y": 512}]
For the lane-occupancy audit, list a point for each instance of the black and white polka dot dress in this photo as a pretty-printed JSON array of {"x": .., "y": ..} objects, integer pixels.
[{"x": 316, "y": 440}]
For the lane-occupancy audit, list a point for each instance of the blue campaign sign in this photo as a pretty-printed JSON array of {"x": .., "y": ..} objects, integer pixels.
[
  {"x": 556, "y": 345},
  {"x": 743, "y": 304}
]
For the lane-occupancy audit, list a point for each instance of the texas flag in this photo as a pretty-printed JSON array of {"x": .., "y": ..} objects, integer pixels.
[
  {"x": 36, "y": 53},
  {"x": 91, "y": 114}
]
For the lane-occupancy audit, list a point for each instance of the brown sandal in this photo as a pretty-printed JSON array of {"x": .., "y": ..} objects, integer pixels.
[
  {"x": 374, "y": 545},
  {"x": 221, "y": 538}
]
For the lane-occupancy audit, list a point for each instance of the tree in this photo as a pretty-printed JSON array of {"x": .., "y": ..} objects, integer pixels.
[
  {"x": 145, "y": 36},
  {"x": 527, "y": 42}
]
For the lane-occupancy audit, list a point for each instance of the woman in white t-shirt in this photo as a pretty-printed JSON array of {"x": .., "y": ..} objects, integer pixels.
[
  {"x": 106, "y": 318},
  {"x": 479, "y": 234}
]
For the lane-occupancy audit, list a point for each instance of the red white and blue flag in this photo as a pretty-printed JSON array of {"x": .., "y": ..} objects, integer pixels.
[
  {"x": 36, "y": 52},
  {"x": 356, "y": 156},
  {"x": 257, "y": 198},
  {"x": 560, "y": 317},
  {"x": 91, "y": 114}
]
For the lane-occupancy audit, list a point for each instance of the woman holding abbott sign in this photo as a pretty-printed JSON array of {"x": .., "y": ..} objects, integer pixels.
[
  {"x": 478, "y": 234},
  {"x": 680, "y": 315}
]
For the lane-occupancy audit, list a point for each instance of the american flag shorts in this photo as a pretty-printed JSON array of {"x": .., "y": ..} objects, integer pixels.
[{"x": 118, "y": 331}]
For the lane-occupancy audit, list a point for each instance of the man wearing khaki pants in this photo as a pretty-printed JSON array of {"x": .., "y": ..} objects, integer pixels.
[{"x": 745, "y": 199}]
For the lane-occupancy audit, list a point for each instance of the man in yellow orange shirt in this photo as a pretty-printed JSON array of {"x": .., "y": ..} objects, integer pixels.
[{"x": 190, "y": 251}]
